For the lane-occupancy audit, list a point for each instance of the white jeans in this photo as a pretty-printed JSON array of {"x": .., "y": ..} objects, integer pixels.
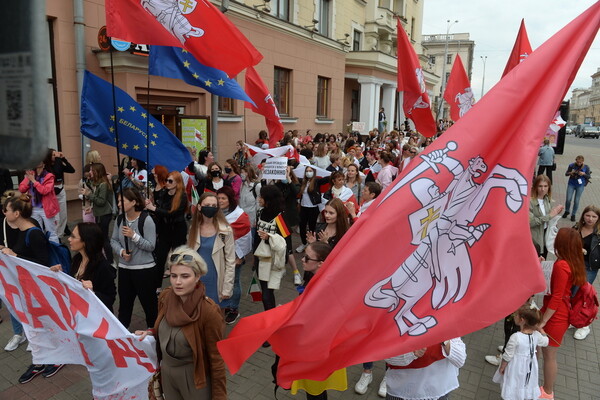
[
  {"x": 62, "y": 216},
  {"x": 47, "y": 224}
]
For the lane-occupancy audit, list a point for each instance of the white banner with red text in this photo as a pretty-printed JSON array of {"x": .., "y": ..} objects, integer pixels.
[{"x": 67, "y": 324}]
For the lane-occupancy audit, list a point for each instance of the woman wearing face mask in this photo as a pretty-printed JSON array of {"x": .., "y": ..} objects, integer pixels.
[
  {"x": 214, "y": 180},
  {"x": 169, "y": 213},
  {"x": 249, "y": 194},
  {"x": 310, "y": 199},
  {"x": 212, "y": 237},
  {"x": 232, "y": 176}
]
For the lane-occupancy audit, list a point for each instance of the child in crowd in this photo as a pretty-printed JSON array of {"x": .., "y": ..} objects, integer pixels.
[{"x": 518, "y": 372}]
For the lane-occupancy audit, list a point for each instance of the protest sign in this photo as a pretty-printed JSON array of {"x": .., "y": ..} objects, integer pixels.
[{"x": 275, "y": 168}]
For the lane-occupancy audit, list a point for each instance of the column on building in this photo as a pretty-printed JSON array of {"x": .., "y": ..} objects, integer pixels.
[
  {"x": 370, "y": 89},
  {"x": 388, "y": 102}
]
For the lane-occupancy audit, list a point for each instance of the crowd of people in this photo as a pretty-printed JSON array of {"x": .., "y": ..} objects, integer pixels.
[{"x": 198, "y": 228}]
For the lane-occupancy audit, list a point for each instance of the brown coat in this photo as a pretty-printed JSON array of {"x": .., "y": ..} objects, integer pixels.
[{"x": 202, "y": 336}]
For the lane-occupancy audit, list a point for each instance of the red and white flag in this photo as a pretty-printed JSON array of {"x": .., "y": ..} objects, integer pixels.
[
  {"x": 458, "y": 93},
  {"x": 411, "y": 81},
  {"x": 259, "y": 93},
  {"x": 242, "y": 235},
  {"x": 196, "y": 25},
  {"x": 448, "y": 241},
  {"x": 521, "y": 50}
]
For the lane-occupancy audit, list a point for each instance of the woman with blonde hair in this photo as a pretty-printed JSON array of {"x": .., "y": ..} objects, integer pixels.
[
  {"x": 321, "y": 157},
  {"x": 540, "y": 212},
  {"x": 168, "y": 210},
  {"x": 212, "y": 237},
  {"x": 188, "y": 326}
]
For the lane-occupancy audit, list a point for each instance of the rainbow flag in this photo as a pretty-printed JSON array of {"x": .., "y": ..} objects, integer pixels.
[{"x": 285, "y": 232}]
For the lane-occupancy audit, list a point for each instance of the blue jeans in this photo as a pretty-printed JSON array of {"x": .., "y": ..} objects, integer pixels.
[
  {"x": 16, "y": 325},
  {"x": 234, "y": 301},
  {"x": 591, "y": 274},
  {"x": 577, "y": 190}
]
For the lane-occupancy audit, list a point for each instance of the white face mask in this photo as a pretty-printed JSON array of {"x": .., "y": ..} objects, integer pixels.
[{"x": 309, "y": 174}]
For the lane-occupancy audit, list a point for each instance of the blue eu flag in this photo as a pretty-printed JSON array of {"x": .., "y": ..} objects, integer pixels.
[
  {"x": 98, "y": 119},
  {"x": 173, "y": 62}
]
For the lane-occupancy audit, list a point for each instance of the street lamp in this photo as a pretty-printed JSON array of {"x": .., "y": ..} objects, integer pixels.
[
  {"x": 443, "y": 86},
  {"x": 484, "y": 58}
]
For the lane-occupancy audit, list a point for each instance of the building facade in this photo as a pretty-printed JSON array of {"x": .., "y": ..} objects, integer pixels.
[
  {"x": 585, "y": 103},
  {"x": 441, "y": 51},
  {"x": 326, "y": 62}
]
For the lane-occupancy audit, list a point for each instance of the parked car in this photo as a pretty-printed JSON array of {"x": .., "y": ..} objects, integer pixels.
[
  {"x": 569, "y": 129},
  {"x": 589, "y": 131}
]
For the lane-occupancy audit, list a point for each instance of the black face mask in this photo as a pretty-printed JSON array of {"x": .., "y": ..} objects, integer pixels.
[
  {"x": 215, "y": 173},
  {"x": 208, "y": 212},
  {"x": 227, "y": 170}
]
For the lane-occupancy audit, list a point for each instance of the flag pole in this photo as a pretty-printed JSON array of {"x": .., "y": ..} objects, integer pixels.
[
  {"x": 245, "y": 132},
  {"x": 148, "y": 137},
  {"x": 115, "y": 125}
]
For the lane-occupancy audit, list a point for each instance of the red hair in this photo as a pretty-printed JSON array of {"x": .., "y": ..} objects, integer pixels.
[
  {"x": 569, "y": 247},
  {"x": 161, "y": 173}
]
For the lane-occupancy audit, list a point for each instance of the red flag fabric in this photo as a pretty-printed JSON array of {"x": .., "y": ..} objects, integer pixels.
[
  {"x": 411, "y": 81},
  {"x": 196, "y": 25},
  {"x": 521, "y": 50},
  {"x": 458, "y": 93},
  {"x": 445, "y": 250},
  {"x": 259, "y": 93}
]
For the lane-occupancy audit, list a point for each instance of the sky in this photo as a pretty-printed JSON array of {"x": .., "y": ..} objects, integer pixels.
[{"x": 493, "y": 25}]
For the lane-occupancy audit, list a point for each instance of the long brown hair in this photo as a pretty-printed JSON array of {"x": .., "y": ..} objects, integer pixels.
[
  {"x": 197, "y": 219},
  {"x": 569, "y": 247},
  {"x": 179, "y": 190},
  {"x": 100, "y": 175},
  {"x": 310, "y": 182},
  {"x": 342, "y": 224},
  {"x": 586, "y": 210},
  {"x": 536, "y": 182}
]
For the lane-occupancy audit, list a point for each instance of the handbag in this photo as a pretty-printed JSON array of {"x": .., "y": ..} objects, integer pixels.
[
  {"x": 155, "y": 391},
  {"x": 553, "y": 168}
]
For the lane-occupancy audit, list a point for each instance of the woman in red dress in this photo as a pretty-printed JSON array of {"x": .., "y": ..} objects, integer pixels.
[{"x": 568, "y": 271}]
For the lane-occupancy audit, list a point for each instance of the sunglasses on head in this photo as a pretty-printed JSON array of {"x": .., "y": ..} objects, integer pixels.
[
  {"x": 181, "y": 257},
  {"x": 170, "y": 180}
]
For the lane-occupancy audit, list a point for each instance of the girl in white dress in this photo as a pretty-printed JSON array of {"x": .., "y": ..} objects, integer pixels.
[{"x": 518, "y": 372}]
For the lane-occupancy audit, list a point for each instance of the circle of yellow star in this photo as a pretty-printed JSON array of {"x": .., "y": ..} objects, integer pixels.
[
  {"x": 155, "y": 135},
  {"x": 111, "y": 129},
  {"x": 208, "y": 83},
  {"x": 120, "y": 109},
  {"x": 124, "y": 145},
  {"x": 144, "y": 115},
  {"x": 112, "y": 117},
  {"x": 221, "y": 82},
  {"x": 136, "y": 147},
  {"x": 151, "y": 125},
  {"x": 186, "y": 64},
  {"x": 153, "y": 143},
  {"x": 195, "y": 75},
  {"x": 132, "y": 108}
]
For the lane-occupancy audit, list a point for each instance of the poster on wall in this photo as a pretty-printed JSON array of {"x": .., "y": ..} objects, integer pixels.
[{"x": 195, "y": 131}]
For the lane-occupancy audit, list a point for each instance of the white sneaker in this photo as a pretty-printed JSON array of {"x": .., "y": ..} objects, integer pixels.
[
  {"x": 494, "y": 360},
  {"x": 382, "y": 388},
  {"x": 582, "y": 333},
  {"x": 297, "y": 279},
  {"x": 500, "y": 348},
  {"x": 15, "y": 342},
  {"x": 363, "y": 383},
  {"x": 300, "y": 248}
]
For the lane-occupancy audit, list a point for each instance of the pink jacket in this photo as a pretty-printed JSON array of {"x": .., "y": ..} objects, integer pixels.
[{"x": 46, "y": 189}]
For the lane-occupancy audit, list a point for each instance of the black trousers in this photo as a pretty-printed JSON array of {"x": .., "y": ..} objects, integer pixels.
[
  {"x": 169, "y": 238},
  {"x": 322, "y": 396},
  {"x": 548, "y": 169},
  {"x": 268, "y": 295},
  {"x": 137, "y": 283},
  {"x": 308, "y": 216},
  {"x": 104, "y": 221}
]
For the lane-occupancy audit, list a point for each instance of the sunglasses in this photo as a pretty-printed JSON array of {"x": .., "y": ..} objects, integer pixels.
[
  {"x": 306, "y": 258},
  {"x": 170, "y": 180},
  {"x": 413, "y": 152},
  {"x": 181, "y": 257}
]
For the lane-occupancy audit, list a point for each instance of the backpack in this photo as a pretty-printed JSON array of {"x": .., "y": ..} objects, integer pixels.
[
  {"x": 57, "y": 253},
  {"x": 583, "y": 306},
  {"x": 143, "y": 215}
]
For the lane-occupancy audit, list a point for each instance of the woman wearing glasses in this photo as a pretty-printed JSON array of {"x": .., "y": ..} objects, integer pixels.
[
  {"x": 212, "y": 237},
  {"x": 169, "y": 214},
  {"x": 187, "y": 329}
]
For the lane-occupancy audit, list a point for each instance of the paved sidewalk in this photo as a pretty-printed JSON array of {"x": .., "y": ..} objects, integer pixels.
[{"x": 578, "y": 377}]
